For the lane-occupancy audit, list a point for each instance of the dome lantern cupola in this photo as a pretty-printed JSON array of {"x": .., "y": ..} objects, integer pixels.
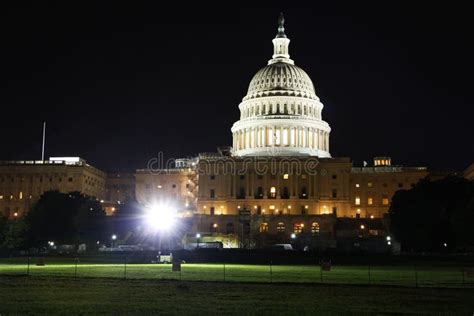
[{"x": 280, "y": 44}]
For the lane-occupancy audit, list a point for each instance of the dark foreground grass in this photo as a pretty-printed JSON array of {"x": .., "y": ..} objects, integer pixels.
[{"x": 64, "y": 295}]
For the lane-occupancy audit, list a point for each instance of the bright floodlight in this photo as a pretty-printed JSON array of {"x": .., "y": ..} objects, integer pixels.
[
  {"x": 293, "y": 236},
  {"x": 198, "y": 235},
  {"x": 160, "y": 216}
]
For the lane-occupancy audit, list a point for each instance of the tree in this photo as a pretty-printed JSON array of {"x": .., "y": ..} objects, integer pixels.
[
  {"x": 434, "y": 215},
  {"x": 64, "y": 218}
]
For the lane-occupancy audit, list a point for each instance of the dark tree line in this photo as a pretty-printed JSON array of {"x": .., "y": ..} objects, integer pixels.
[
  {"x": 434, "y": 216},
  {"x": 69, "y": 218}
]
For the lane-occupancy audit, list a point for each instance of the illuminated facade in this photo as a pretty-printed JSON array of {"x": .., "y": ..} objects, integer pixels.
[
  {"x": 281, "y": 114},
  {"x": 23, "y": 182}
]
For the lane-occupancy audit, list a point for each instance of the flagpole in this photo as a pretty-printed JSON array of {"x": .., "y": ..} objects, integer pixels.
[{"x": 44, "y": 138}]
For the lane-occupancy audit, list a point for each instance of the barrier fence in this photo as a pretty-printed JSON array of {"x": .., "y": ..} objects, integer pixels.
[{"x": 321, "y": 272}]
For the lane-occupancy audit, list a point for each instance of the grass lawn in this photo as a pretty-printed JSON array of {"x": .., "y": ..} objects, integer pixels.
[
  {"x": 377, "y": 275},
  {"x": 63, "y": 295}
]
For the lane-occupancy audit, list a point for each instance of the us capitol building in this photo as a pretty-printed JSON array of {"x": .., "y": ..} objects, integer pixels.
[{"x": 277, "y": 179}]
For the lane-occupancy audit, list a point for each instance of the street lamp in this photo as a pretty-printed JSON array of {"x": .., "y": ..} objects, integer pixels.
[
  {"x": 114, "y": 237},
  {"x": 293, "y": 236},
  {"x": 198, "y": 235}
]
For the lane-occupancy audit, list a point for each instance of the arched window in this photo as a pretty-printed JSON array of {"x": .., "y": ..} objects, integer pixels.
[
  {"x": 281, "y": 227},
  {"x": 263, "y": 227},
  {"x": 315, "y": 228},
  {"x": 229, "y": 228}
]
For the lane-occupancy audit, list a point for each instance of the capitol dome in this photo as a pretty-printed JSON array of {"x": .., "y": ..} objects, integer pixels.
[
  {"x": 281, "y": 113},
  {"x": 281, "y": 78}
]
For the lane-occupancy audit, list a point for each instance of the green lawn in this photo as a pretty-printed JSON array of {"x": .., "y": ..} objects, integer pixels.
[
  {"x": 22, "y": 295},
  {"x": 378, "y": 275}
]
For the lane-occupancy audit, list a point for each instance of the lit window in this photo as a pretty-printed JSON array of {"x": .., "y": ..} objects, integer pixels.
[
  {"x": 212, "y": 193},
  {"x": 21, "y": 195},
  {"x": 315, "y": 228},
  {"x": 357, "y": 200},
  {"x": 263, "y": 227},
  {"x": 281, "y": 227},
  {"x": 272, "y": 207},
  {"x": 385, "y": 200},
  {"x": 298, "y": 228},
  {"x": 1, "y": 197},
  {"x": 273, "y": 192},
  {"x": 285, "y": 176},
  {"x": 370, "y": 201},
  {"x": 357, "y": 185},
  {"x": 369, "y": 184}
]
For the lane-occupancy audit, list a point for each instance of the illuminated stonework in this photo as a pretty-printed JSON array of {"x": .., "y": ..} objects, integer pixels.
[{"x": 281, "y": 114}]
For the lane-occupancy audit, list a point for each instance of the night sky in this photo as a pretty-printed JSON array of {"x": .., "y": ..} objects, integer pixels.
[{"x": 117, "y": 84}]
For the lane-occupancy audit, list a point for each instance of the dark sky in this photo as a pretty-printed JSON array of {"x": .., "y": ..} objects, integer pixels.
[{"x": 119, "y": 83}]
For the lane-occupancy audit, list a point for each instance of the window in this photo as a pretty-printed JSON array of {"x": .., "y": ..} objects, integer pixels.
[
  {"x": 281, "y": 227},
  {"x": 286, "y": 193},
  {"x": 242, "y": 177},
  {"x": 212, "y": 194},
  {"x": 304, "y": 193},
  {"x": 357, "y": 185},
  {"x": 303, "y": 176},
  {"x": 370, "y": 201},
  {"x": 385, "y": 200},
  {"x": 334, "y": 193},
  {"x": 285, "y": 176},
  {"x": 70, "y": 179},
  {"x": 369, "y": 184},
  {"x": 241, "y": 193},
  {"x": 259, "y": 193},
  {"x": 263, "y": 227},
  {"x": 298, "y": 228},
  {"x": 315, "y": 228},
  {"x": 304, "y": 209},
  {"x": 212, "y": 210},
  {"x": 259, "y": 177},
  {"x": 259, "y": 209},
  {"x": 334, "y": 176},
  {"x": 357, "y": 200},
  {"x": 174, "y": 186},
  {"x": 334, "y": 210},
  {"x": 272, "y": 192},
  {"x": 229, "y": 228},
  {"x": 212, "y": 177}
]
